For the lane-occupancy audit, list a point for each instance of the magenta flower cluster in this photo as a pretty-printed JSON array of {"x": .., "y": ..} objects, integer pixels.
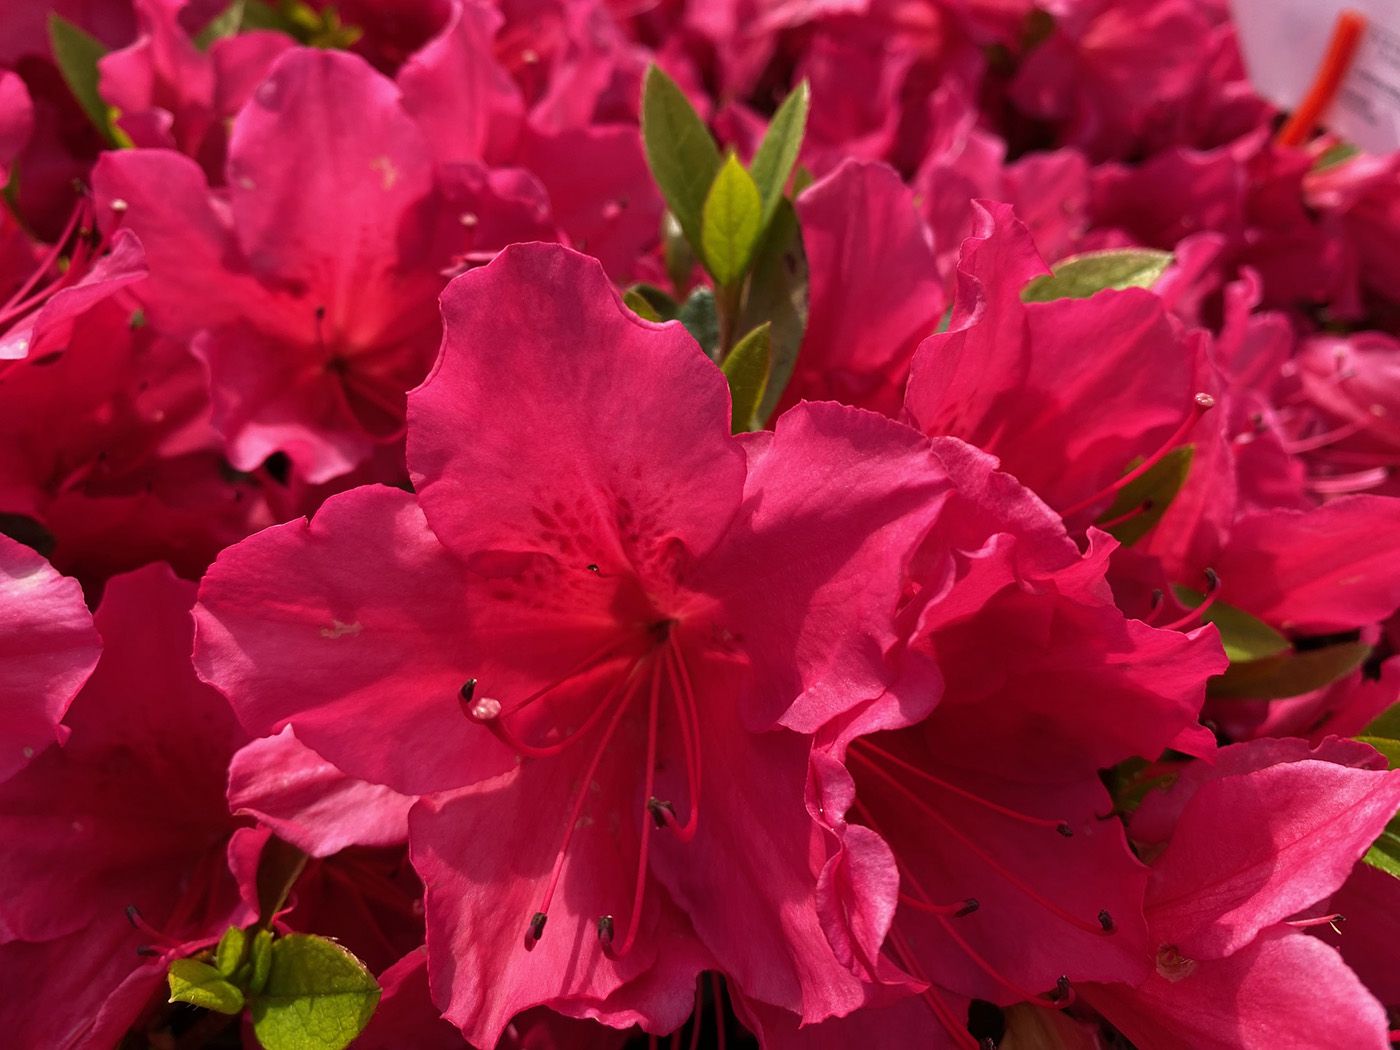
[{"x": 943, "y": 596}]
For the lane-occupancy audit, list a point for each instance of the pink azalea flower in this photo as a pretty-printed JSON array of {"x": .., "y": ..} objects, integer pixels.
[
  {"x": 171, "y": 94},
  {"x": 875, "y": 291},
  {"x": 1013, "y": 377},
  {"x": 638, "y": 601},
  {"x": 1011, "y": 882},
  {"x": 49, "y": 648},
  {"x": 1245, "y": 845},
  {"x": 126, "y": 820},
  {"x": 309, "y": 291}
]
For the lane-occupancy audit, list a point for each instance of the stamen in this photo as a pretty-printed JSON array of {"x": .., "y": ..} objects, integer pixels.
[
  {"x": 581, "y": 793},
  {"x": 1212, "y": 593},
  {"x": 147, "y": 952},
  {"x": 957, "y": 909},
  {"x": 977, "y": 850},
  {"x": 1106, "y": 921},
  {"x": 1200, "y": 405},
  {"x": 688, "y": 716},
  {"x": 1039, "y": 822},
  {"x": 906, "y": 958},
  {"x": 663, "y": 814},
  {"x": 992, "y": 972},
  {"x": 1344, "y": 484},
  {"x": 1328, "y": 437},
  {"x": 537, "y": 922},
  {"x": 634, "y": 924},
  {"x": 1122, "y": 519},
  {"x": 1322, "y": 920},
  {"x": 605, "y": 931}
]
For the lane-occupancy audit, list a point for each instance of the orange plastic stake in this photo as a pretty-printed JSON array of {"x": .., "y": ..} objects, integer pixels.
[{"x": 1336, "y": 63}]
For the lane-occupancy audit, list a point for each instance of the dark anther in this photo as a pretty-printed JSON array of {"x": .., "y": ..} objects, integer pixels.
[
  {"x": 1158, "y": 597},
  {"x": 591, "y": 567},
  {"x": 969, "y": 906},
  {"x": 468, "y": 688},
  {"x": 320, "y": 313},
  {"x": 537, "y": 922},
  {"x": 605, "y": 930},
  {"x": 1064, "y": 829},
  {"x": 1106, "y": 921},
  {"x": 133, "y": 916},
  {"x": 1212, "y": 581},
  {"x": 1061, "y": 989},
  {"x": 147, "y": 952},
  {"x": 661, "y": 630},
  {"x": 660, "y": 811}
]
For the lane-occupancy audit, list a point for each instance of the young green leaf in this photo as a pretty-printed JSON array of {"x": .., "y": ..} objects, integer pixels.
[
  {"x": 777, "y": 294},
  {"x": 777, "y": 153},
  {"x": 639, "y": 305},
  {"x": 680, "y": 150},
  {"x": 1337, "y": 153},
  {"x": 229, "y": 954},
  {"x": 658, "y": 302},
  {"x": 701, "y": 319},
  {"x": 747, "y": 368},
  {"x": 1081, "y": 276},
  {"x": 318, "y": 996},
  {"x": 76, "y": 54},
  {"x": 1384, "y": 735},
  {"x": 200, "y": 984},
  {"x": 677, "y": 253},
  {"x": 1288, "y": 674},
  {"x": 225, "y": 24},
  {"x": 730, "y": 223},
  {"x": 1147, "y": 498},
  {"x": 1244, "y": 637},
  {"x": 261, "y": 962}
]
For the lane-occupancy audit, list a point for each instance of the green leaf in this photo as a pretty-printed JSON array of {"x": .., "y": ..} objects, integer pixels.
[
  {"x": 198, "y": 983},
  {"x": 637, "y": 303},
  {"x": 1081, "y": 276},
  {"x": 318, "y": 996},
  {"x": 1288, "y": 674},
  {"x": 777, "y": 153},
  {"x": 1245, "y": 637},
  {"x": 680, "y": 151},
  {"x": 747, "y": 367},
  {"x": 1153, "y": 491},
  {"x": 650, "y": 302},
  {"x": 262, "y": 962},
  {"x": 225, "y": 24},
  {"x": 76, "y": 54},
  {"x": 1384, "y": 735},
  {"x": 1385, "y": 851},
  {"x": 777, "y": 294},
  {"x": 229, "y": 954},
  {"x": 701, "y": 319},
  {"x": 678, "y": 254},
  {"x": 1386, "y": 725},
  {"x": 730, "y": 223},
  {"x": 1338, "y": 153}
]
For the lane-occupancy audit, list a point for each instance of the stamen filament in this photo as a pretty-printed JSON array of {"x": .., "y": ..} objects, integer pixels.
[
  {"x": 634, "y": 923},
  {"x": 1212, "y": 593},
  {"x": 1200, "y": 405},
  {"x": 864, "y": 744},
  {"x": 576, "y": 806},
  {"x": 977, "y": 850},
  {"x": 683, "y": 696},
  {"x": 508, "y": 737}
]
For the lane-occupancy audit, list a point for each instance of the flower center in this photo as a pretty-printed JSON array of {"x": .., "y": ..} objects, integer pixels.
[{"x": 622, "y": 676}]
